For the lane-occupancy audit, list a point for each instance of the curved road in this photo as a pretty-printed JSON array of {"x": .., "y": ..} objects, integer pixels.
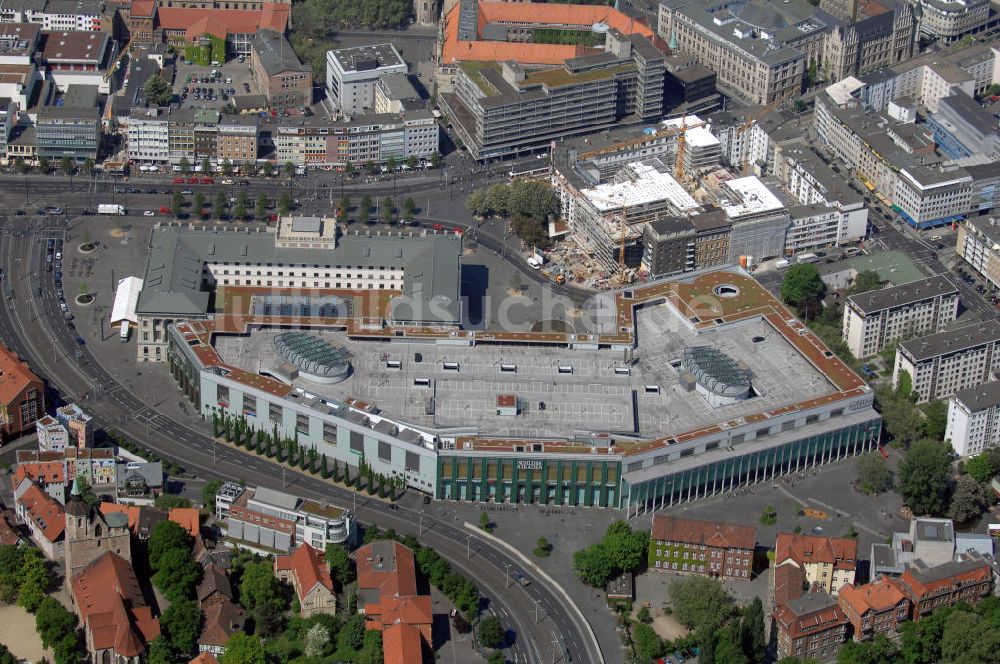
[{"x": 34, "y": 328}]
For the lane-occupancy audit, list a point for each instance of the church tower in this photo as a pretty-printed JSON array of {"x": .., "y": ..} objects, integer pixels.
[{"x": 89, "y": 534}]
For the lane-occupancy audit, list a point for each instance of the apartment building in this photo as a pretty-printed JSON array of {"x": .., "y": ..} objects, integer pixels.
[
  {"x": 237, "y": 139},
  {"x": 501, "y": 110},
  {"x": 949, "y": 20},
  {"x": 811, "y": 626},
  {"x": 278, "y": 72},
  {"x": 305, "y": 569},
  {"x": 148, "y": 136},
  {"x": 376, "y": 138},
  {"x": 22, "y": 396},
  {"x": 831, "y": 214},
  {"x": 941, "y": 364},
  {"x": 719, "y": 550},
  {"x": 352, "y": 75},
  {"x": 61, "y": 15},
  {"x": 968, "y": 579},
  {"x": 978, "y": 243},
  {"x": 962, "y": 128},
  {"x": 44, "y": 517},
  {"x": 874, "y": 609},
  {"x": 874, "y": 319},
  {"x": 974, "y": 419},
  {"x": 267, "y": 520},
  {"x": 827, "y": 563},
  {"x": 672, "y": 245}
]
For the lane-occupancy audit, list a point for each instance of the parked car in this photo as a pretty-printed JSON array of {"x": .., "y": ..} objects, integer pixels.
[{"x": 148, "y": 213}]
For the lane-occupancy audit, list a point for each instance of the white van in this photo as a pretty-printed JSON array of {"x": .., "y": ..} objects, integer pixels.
[{"x": 123, "y": 337}]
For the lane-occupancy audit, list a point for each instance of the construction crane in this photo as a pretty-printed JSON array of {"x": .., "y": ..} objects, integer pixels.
[
  {"x": 752, "y": 120},
  {"x": 622, "y": 277},
  {"x": 680, "y": 174},
  {"x": 118, "y": 60}
]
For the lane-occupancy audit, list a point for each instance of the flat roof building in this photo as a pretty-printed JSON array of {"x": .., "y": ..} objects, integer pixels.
[
  {"x": 944, "y": 363},
  {"x": 876, "y": 318},
  {"x": 352, "y": 75},
  {"x": 973, "y": 415}
]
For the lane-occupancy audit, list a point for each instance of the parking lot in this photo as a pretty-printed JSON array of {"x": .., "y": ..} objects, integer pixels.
[{"x": 212, "y": 87}]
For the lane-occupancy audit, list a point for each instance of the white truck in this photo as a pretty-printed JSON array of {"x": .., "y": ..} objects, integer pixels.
[
  {"x": 806, "y": 258},
  {"x": 110, "y": 208},
  {"x": 781, "y": 263}
]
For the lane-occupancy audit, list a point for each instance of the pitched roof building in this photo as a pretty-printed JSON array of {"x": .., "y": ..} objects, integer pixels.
[
  {"x": 874, "y": 608},
  {"x": 968, "y": 579},
  {"x": 44, "y": 517},
  {"x": 21, "y": 396},
  {"x": 221, "y": 616},
  {"x": 812, "y": 626},
  {"x": 118, "y": 624},
  {"x": 828, "y": 562},
  {"x": 702, "y": 547},
  {"x": 306, "y": 569}
]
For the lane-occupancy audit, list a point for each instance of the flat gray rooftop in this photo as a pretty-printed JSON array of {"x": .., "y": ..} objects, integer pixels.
[
  {"x": 465, "y": 381},
  {"x": 951, "y": 341},
  {"x": 903, "y": 295},
  {"x": 367, "y": 58}
]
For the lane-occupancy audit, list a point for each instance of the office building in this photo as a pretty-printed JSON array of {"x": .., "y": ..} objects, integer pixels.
[
  {"x": 187, "y": 26},
  {"x": 927, "y": 197},
  {"x": 148, "y": 136},
  {"x": 352, "y": 75},
  {"x": 962, "y": 128},
  {"x": 318, "y": 142},
  {"x": 278, "y": 72},
  {"x": 52, "y": 436},
  {"x": 932, "y": 541},
  {"x": 944, "y": 363},
  {"x": 78, "y": 423},
  {"x": 238, "y": 137},
  {"x": 506, "y": 109},
  {"x": 874, "y": 319},
  {"x": 978, "y": 244},
  {"x": 974, "y": 419},
  {"x": 811, "y": 626},
  {"x": 949, "y": 20},
  {"x": 78, "y": 58},
  {"x": 672, "y": 245},
  {"x": 830, "y": 215},
  {"x": 21, "y": 396},
  {"x": 71, "y": 129},
  {"x": 718, "y": 550},
  {"x": 827, "y": 563},
  {"x": 266, "y": 520}
]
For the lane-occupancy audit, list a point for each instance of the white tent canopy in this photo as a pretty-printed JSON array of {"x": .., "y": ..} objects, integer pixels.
[{"x": 126, "y": 297}]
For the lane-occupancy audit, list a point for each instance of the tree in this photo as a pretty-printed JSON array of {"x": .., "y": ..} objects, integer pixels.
[
  {"x": 285, "y": 203},
  {"x": 44, "y": 166},
  {"x": 221, "y": 201},
  {"x": 341, "y": 568},
  {"x": 169, "y": 501},
  {"x": 496, "y": 657},
  {"x": 866, "y": 280},
  {"x": 267, "y": 169},
  {"x": 752, "y": 637},
  {"x": 935, "y": 419},
  {"x": 258, "y": 586},
  {"x": 6, "y": 656},
  {"x": 593, "y": 566},
  {"x": 352, "y": 634},
  {"x": 484, "y": 521},
  {"x": 54, "y": 622},
  {"x": 969, "y": 500},
  {"x": 157, "y": 91},
  {"x": 227, "y": 168},
  {"x": 387, "y": 209},
  {"x": 243, "y": 649},
  {"x": 879, "y": 650},
  {"x": 391, "y": 164},
  {"x": 729, "y": 649},
  {"x": 904, "y": 384},
  {"x": 409, "y": 207},
  {"x": 316, "y": 640},
  {"x": 289, "y": 169},
  {"x": 801, "y": 285},
  {"x": 262, "y": 203},
  {"x": 208, "y": 493},
  {"x": 66, "y": 165},
  {"x": 921, "y": 641},
  {"x": 88, "y": 167},
  {"x": 874, "y": 475},
  {"x": 699, "y": 601},
  {"x": 542, "y": 548},
  {"x": 87, "y": 494},
  {"x": 21, "y": 166},
  {"x": 206, "y": 166},
  {"x": 980, "y": 467},
  {"x": 199, "y": 203},
  {"x": 241, "y": 205},
  {"x": 648, "y": 644},
  {"x": 177, "y": 574},
  {"x": 491, "y": 632},
  {"x": 11, "y": 558},
  {"x": 902, "y": 419},
  {"x": 35, "y": 580},
  {"x": 160, "y": 651},
  {"x": 166, "y": 536},
  {"x": 924, "y": 477},
  {"x": 365, "y": 209},
  {"x": 628, "y": 549},
  {"x": 435, "y": 160},
  {"x": 184, "y": 165},
  {"x": 181, "y": 623},
  {"x": 349, "y": 169}
]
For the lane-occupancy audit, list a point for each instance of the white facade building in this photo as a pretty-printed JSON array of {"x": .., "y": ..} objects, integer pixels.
[
  {"x": 974, "y": 419},
  {"x": 148, "y": 136},
  {"x": 874, "y": 319},
  {"x": 927, "y": 195},
  {"x": 941, "y": 364},
  {"x": 949, "y": 20},
  {"x": 351, "y": 74}
]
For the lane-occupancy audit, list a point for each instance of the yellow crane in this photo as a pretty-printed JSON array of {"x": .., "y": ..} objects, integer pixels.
[
  {"x": 118, "y": 60},
  {"x": 752, "y": 120}
]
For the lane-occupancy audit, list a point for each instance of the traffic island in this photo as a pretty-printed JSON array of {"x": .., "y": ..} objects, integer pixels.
[
  {"x": 87, "y": 248},
  {"x": 85, "y": 299}
]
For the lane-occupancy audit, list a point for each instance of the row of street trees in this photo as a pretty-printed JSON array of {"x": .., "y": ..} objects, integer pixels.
[
  {"x": 387, "y": 210},
  {"x": 528, "y": 204}
]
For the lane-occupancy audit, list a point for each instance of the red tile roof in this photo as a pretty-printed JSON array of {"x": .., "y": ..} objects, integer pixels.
[
  {"x": 204, "y": 658},
  {"x": 709, "y": 533},
  {"x": 142, "y": 8},
  {"x": 410, "y": 610},
  {"x": 222, "y": 22},
  {"x": 187, "y": 518},
  {"x": 15, "y": 376},
  {"x": 878, "y": 596},
  {"x": 401, "y": 645},
  {"x": 917, "y": 583},
  {"x": 840, "y": 552},
  {"x": 309, "y": 567},
  {"x": 44, "y": 511},
  {"x": 46, "y": 472},
  {"x": 110, "y": 604},
  {"x": 809, "y": 614},
  {"x": 398, "y": 581},
  {"x": 788, "y": 583},
  {"x": 130, "y": 511}
]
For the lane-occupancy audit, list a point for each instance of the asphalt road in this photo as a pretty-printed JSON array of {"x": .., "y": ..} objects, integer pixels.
[{"x": 34, "y": 328}]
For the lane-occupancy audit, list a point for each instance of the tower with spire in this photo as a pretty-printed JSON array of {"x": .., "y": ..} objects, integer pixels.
[{"x": 89, "y": 533}]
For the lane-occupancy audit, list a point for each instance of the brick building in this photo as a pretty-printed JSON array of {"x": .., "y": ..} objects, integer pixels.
[
  {"x": 702, "y": 547},
  {"x": 827, "y": 562},
  {"x": 307, "y": 571},
  {"x": 22, "y": 399},
  {"x": 874, "y": 608},
  {"x": 387, "y": 594},
  {"x": 810, "y": 627},
  {"x": 968, "y": 579},
  {"x": 280, "y": 75}
]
